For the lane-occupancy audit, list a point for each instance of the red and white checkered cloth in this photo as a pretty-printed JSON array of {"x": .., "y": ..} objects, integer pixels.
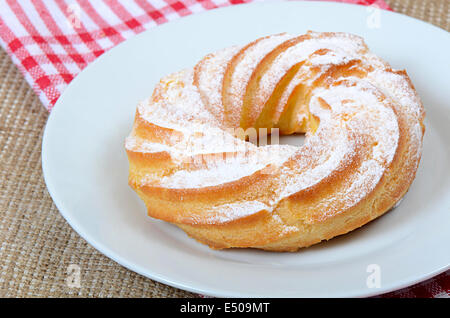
[{"x": 51, "y": 41}]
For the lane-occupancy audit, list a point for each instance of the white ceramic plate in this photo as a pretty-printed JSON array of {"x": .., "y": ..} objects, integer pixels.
[{"x": 86, "y": 168}]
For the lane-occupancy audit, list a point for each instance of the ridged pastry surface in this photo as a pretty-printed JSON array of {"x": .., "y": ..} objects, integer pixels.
[{"x": 191, "y": 163}]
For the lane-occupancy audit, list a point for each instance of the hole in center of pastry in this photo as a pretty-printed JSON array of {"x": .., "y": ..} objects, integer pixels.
[{"x": 263, "y": 137}]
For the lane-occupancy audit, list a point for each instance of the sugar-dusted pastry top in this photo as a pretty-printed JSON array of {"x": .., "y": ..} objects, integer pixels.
[{"x": 363, "y": 123}]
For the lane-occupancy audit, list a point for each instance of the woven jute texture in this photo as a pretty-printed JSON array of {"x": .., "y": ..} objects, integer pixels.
[{"x": 37, "y": 245}]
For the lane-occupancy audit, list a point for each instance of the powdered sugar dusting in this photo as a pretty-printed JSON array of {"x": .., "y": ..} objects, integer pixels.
[
  {"x": 232, "y": 211},
  {"x": 351, "y": 45},
  {"x": 216, "y": 175},
  {"x": 180, "y": 107},
  {"x": 359, "y": 124},
  {"x": 210, "y": 72}
]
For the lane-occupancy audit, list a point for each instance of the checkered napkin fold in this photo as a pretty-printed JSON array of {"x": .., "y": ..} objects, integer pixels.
[{"x": 51, "y": 41}]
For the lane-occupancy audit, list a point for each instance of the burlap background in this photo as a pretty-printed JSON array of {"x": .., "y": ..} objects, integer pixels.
[{"x": 37, "y": 244}]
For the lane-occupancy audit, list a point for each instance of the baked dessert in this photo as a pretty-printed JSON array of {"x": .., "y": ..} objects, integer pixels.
[{"x": 193, "y": 165}]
